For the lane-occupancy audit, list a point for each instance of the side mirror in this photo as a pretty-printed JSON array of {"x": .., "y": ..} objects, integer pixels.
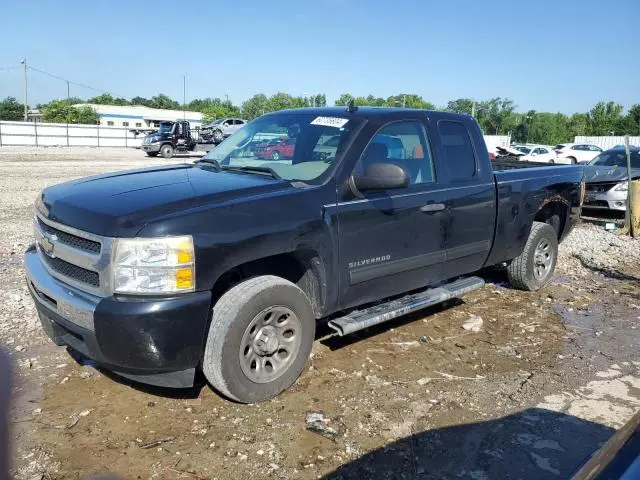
[{"x": 379, "y": 176}]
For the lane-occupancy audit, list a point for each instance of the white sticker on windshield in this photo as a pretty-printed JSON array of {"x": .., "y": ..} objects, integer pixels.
[{"x": 336, "y": 122}]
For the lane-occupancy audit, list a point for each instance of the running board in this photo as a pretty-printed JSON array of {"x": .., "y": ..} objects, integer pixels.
[{"x": 359, "y": 319}]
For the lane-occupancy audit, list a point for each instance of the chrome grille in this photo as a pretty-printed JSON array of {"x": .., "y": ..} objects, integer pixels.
[
  {"x": 72, "y": 271},
  {"x": 75, "y": 257},
  {"x": 70, "y": 239}
]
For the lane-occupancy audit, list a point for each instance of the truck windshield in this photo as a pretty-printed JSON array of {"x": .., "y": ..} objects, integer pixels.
[
  {"x": 296, "y": 146},
  {"x": 165, "y": 127}
]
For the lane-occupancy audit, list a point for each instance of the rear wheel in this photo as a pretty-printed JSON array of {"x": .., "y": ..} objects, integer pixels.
[
  {"x": 152, "y": 154},
  {"x": 275, "y": 155},
  {"x": 166, "y": 151},
  {"x": 572, "y": 160},
  {"x": 534, "y": 267},
  {"x": 259, "y": 340}
]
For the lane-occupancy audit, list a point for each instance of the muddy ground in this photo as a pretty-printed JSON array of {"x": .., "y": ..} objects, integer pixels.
[{"x": 546, "y": 381}]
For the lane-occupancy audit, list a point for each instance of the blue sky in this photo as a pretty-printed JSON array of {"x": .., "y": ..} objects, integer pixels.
[{"x": 547, "y": 55}]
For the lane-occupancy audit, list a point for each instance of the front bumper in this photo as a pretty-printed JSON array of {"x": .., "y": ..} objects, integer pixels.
[
  {"x": 151, "y": 147},
  {"x": 611, "y": 200},
  {"x": 157, "y": 340}
]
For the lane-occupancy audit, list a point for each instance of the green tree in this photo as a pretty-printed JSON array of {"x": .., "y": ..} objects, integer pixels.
[
  {"x": 163, "y": 101},
  {"x": 631, "y": 123},
  {"x": 255, "y": 106},
  {"x": 141, "y": 101},
  {"x": 108, "y": 99},
  {"x": 344, "y": 99},
  {"x": 408, "y": 101},
  {"x": 605, "y": 119},
  {"x": 10, "y": 109},
  {"x": 58, "y": 111},
  {"x": 214, "y": 108},
  {"x": 578, "y": 125},
  {"x": 496, "y": 116},
  {"x": 460, "y": 105}
]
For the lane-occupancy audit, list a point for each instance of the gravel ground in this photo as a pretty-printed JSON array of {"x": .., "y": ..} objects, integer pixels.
[{"x": 421, "y": 397}]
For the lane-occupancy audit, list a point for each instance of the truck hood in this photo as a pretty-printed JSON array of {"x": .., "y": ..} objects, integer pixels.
[
  {"x": 120, "y": 204},
  {"x": 594, "y": 173}
]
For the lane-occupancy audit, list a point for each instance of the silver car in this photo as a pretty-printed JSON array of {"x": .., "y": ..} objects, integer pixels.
[
  {"x": 220, "y": 129},
  {"x": 606, "y": 179}
]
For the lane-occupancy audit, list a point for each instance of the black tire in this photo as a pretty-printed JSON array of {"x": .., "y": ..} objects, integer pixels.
[
  {"x": 166, "y": 151},
  {"x": 152, "y": 154},
  {"x": 217, "y": 136},
  {"x": 275, "y": 155},
  {"x": 572, "y": 160},
  {"x": 231, "y": 322},
  {"x": 525, "y": 271}
]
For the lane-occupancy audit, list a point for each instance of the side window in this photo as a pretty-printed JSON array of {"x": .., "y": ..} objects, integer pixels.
[
  {"x": 537, "y": 151},
  {"x": 577, "y": 147},
  {"x": 404, "y": 143},
  {"x": 138, "y": 124},
  {"x": 458, "y": 150},
  {"x": 109, "y": 123},
  {"x": 543, "y": 150},
  {"x": 125, "y": 124}
]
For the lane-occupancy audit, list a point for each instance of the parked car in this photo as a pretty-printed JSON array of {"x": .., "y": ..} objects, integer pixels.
[
  {"x": 606, "y": 177},
  {"x": 536, "y": 153},
  {"x": 220, "y": 129},
  {"x": 572, "y": 153},
  {"x": 226, "y": 264},
  {"x": 283, "y": 148}
]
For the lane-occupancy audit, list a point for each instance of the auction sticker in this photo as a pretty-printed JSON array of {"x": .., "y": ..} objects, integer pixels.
[{"x": 336, "y": 122}]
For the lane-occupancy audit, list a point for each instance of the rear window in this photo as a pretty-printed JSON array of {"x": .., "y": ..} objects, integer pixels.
[
  {"x": 458, "y": 150},
  {"x": 559, "y": 147}
]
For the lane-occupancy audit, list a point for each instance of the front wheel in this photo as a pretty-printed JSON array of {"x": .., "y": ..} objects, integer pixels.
[
  {"x": 166, "y": 151},
  {"x": 217, "y": 137},
  {"x": 534, "y": 267},
  {"x": 260, "y": 338}
]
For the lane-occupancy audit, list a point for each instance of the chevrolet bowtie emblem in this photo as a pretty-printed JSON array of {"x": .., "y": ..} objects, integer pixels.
[{"x": 47, "y": 245}]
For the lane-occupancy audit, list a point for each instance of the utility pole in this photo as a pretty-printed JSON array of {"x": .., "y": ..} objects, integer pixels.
[
  {"x": 404, "y": 101},
  {"x": 184, "y": 97},
  {"x": 226, "y": 97},
  {"x": 473, "y": 109},
  {"x": 26, "y": 113},
  {"x": 68, "y": 106}
]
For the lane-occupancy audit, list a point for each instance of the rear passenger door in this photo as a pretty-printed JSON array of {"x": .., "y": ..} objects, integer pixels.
[{"x": 471, "y": 198}]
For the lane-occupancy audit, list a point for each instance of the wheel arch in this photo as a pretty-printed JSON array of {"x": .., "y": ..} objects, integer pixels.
[
  {"x": 554, "y": 212},
  {"x": 305, "y": 268}
]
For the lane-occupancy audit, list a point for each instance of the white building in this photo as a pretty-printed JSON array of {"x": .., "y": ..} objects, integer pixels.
[{"x": 138, "y": 116}]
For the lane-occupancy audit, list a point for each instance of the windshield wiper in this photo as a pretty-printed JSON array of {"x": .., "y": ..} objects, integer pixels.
[
  {"x": 248, "y": 168},
  {"x": 212, "y": 161}
]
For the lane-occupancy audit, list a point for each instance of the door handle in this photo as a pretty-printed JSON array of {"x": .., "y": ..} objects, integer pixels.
[{"x": 432, "y": 207}]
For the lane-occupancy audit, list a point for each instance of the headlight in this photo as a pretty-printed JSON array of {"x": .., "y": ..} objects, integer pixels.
[
  {"x": 154, "y": 265},
  {"x": 622, "y": 187}
]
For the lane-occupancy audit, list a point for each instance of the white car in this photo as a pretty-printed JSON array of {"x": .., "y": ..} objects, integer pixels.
[
  {"x": 536, "y": 153},
  {"x": 573, "y": 153}
]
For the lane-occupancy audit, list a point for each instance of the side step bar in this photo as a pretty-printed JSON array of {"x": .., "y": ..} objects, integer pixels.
[{"x": 359, "y": 319}]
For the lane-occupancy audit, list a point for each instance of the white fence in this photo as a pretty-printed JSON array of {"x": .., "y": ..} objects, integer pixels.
[
  {"x": 607, "y": 142},
  {"x": 62, "y": 135}
]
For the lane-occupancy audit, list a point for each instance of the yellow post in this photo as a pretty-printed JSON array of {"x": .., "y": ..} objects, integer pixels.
[{"x": 635, "y": 206}]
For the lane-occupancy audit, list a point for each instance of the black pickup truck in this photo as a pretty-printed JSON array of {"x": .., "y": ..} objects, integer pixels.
[{"x": 226, "y": 264}]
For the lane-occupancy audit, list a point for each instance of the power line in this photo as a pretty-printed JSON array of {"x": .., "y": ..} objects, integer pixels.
[
  {"x": 9, "y": 68},
  {"x": 77, "y": 84}
]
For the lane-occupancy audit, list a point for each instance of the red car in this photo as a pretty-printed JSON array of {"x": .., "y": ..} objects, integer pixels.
[{"x": 283, "y": 149}]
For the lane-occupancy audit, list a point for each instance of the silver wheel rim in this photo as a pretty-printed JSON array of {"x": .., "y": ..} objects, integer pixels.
[
  {"x": 275, "y": 155},
  {"x": 270, "y": 344},
  {"x": 543, "y": 259}
]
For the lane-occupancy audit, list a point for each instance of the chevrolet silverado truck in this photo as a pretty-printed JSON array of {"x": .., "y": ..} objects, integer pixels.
[{"x": 225, "y": 265}]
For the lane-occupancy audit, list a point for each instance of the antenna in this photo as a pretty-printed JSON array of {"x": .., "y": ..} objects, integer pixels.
[{"x": 351, "y": 107}]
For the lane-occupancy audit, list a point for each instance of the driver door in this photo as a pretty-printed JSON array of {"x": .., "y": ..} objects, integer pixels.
[{"x": 393, "y": 241}]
